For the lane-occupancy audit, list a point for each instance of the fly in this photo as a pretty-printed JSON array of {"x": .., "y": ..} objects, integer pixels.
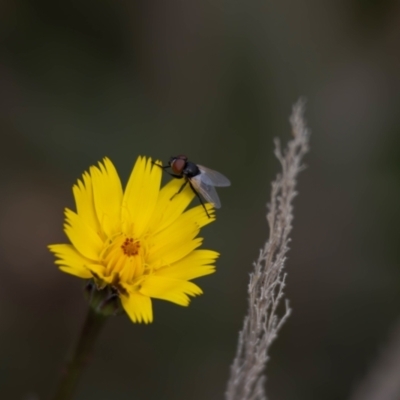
[{"x": 202, "y": 180}]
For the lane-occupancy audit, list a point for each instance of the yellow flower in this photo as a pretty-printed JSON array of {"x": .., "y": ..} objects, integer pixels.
[{"x": 139, "y": 242}]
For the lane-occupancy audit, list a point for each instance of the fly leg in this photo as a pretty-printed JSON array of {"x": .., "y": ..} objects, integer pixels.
[
  {"x": 199, "y": 197},
  {"x": 161, "y": 166},
  {"x": 164, "y": 168},
  {"x": 174, "y": 176},
  {"x": 181, "y": 188}
]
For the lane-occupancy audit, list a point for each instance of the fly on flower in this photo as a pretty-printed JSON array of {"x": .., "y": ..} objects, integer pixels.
[
  {"x": 135, "y": 243},
  {"x": 201, "y": 180}
]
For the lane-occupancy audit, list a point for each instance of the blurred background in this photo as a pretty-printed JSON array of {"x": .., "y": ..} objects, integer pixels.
[{"x": 216, "y": 80}]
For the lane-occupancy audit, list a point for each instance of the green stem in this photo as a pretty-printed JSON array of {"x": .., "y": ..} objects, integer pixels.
[{"x": 80, "y": 355}]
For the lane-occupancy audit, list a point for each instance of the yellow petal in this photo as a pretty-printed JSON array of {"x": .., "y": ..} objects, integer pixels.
[
  {"x": 84, "y": 238},
  {"x": 196, "y": 264},
  {"x": 138, "y": 307},
  {"x": 85, "y": 274},
  {"x": 174, "y": 236},
  {"x": 98, "y": 271},
  {"x": 70, "y": 260},
  {"x": 141, "y": 195},
  {"x": 185, "y": 228},
  {"x": 107, "y": 192},
  {"x": 170, "y": 207},
  {"x": 174, "y": 290},
  {"x": 169, "y": 243},
  {"x": 83, "y": 193},
  {"x": 169, "y": 255},
  {"x": 199, "y": 215}
]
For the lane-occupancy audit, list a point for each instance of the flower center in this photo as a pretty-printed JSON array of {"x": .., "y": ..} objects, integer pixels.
[
  {"x": 123, "y": 258},
  {"x": 130, "y": 247}
]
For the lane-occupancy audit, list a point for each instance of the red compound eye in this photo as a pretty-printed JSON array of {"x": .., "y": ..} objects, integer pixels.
[{"x": 178, "y": 164}]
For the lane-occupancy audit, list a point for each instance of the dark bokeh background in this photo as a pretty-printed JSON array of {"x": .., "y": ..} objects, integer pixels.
[{"x": 81, "y": 79}]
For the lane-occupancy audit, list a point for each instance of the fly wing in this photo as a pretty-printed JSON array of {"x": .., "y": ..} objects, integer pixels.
[
  {"x": 213, "y": 178},
  {"x": 207, "y": 191}
]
